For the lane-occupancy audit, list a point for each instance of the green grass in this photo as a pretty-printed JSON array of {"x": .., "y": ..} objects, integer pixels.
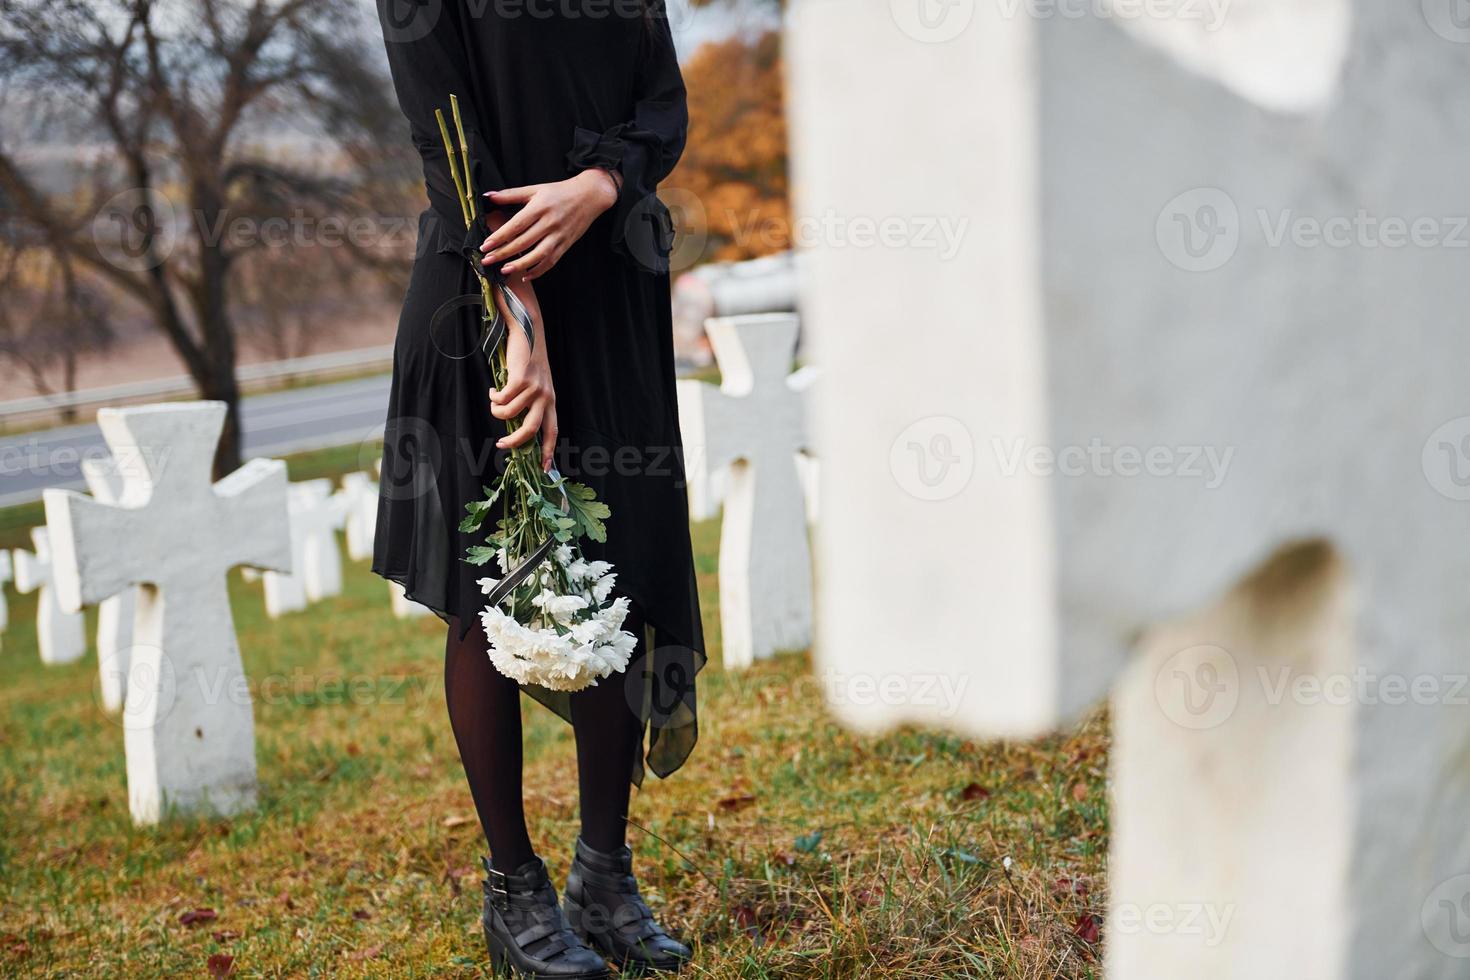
[{"x": 813, "y": 852}]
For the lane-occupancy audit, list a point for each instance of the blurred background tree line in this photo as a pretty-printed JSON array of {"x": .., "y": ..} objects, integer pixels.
[{"x": 235, "y": 174}]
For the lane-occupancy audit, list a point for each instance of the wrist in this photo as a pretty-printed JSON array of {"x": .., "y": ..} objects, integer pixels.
[{"x": 603, "y": 185}]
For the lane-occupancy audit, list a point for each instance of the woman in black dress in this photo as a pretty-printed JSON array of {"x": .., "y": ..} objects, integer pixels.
[{"x": 574, "y": 110}]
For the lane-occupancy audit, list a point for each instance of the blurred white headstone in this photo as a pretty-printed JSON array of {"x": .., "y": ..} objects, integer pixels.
[
  {"x": 189, "y": 732},
  {"x": 115, "y": 613},
  {"x": 316, "y": 564},
  {"x": 753, "y": 425},
  {"x": 1146, "y": 365},
  {"x": 359, "y": 500},
  {"x": 60, "y": 635},
  {"x": 7, "y": 573}
]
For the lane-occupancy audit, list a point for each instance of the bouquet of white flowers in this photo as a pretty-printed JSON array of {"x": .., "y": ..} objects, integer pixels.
[{"x": 551, "y": 619}]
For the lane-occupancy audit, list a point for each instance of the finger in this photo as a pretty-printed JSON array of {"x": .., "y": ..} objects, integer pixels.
[
  {"x": 541, "y": 268},
  {"x": 500, "y": 396},
  {"x": 517, "y": 225},
  {"x": 548, "y": 440},
  {"x": 517, "y": 405},
  {"x": 514, "y": 195},
  {"x": 544, "y": 250},
  {"x": 523, "y": 242},
  {"x": 527, "y": 430}
]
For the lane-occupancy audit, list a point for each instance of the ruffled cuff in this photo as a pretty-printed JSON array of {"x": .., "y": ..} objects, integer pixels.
[
  {"x": 601, "y": 151},
  {"x": 640, "y": 226}
]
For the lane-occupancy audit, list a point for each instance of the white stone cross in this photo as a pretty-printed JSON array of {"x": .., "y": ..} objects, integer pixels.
[
  {"x": 706, "y": 487},
  {"x": 359, "y": 500},
  {"x": 1176, "y": 413},
  {"x": 754, "y": 424},
  {"x": 189, "y": 733},
  {"x": 316, "y": 564},
  {"x": 115, "y": 613},
  {"x": 319, "y": 516},
  {"x": 60, "y": 635},
  {"x": 6, "y": 574}
]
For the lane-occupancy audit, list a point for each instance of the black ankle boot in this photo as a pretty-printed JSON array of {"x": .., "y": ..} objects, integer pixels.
[
  {"x": 604, "y": 907},
  {"x": 526, "y": 931}
]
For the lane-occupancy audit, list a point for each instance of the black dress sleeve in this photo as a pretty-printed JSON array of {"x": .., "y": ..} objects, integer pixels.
[
  {"x": 643, "y": 150},
  {"x": 429, "y": 61}
]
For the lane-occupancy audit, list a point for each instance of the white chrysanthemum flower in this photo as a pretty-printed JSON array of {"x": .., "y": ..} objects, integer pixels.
[
  {"x": 558, "y": 607},
  {"x": 589, "y": 631},
  {"x": 603, "y": 588},
  {"x": 571, "y": 641}
]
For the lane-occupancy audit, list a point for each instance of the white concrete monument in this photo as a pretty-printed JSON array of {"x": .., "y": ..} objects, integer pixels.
[
  {"x": 358, "y": 498},
  {"x": 115, "y": 613},
  {"x": 60, "y": 635},
  {"x": 7, "y": 573},
  {"x": 319, "y": 515},
  {"x": 189, "y": 732},
  {"x": 754, "y": 424},
  {"x": 316, "y": 564},
  {"x": 1190, "y": 384}
]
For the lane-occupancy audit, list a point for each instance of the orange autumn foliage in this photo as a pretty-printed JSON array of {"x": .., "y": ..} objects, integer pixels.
[{"x": 734, "y": 165}]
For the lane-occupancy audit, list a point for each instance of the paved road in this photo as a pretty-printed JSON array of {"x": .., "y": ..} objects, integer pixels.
[{"x": 281, "y": 422}]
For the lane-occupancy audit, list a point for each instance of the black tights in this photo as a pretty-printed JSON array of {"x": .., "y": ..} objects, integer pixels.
[{"x": 485, "y": 712}]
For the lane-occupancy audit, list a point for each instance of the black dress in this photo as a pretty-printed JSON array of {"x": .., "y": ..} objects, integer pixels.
[{"x": 547, "y": 90}]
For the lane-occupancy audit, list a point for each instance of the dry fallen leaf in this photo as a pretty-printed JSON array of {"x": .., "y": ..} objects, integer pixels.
[
  {"x": 220, "y": 965},
  {"x": 455, "y": 820},
  {"x": 195, "y": 916},
  {"x": 736, "y": 802},
  {"x": 366, "y": 953},
  {"x": 974, "y": 791}
]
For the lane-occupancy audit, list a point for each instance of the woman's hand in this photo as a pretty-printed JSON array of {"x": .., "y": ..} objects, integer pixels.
[
  {"x": 528, "y": 386},
  {"x": 554, "y": 216}
]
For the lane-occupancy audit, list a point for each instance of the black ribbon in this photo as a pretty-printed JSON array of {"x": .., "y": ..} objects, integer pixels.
[
  {"x": 494, "y": 325},
  {"x": 491, "y": 335}
]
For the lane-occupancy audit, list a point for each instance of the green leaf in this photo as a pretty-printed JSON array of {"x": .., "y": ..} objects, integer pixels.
[{"x": 480, "y": 554}]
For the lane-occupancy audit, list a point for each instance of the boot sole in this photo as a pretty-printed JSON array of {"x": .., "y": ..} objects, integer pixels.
[{"x": 501, "y": 963}]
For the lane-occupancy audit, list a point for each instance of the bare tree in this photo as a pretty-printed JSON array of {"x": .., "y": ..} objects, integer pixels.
[
  {"x": 50, "y": 317},
  {"x": 182, "y": 94}
]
